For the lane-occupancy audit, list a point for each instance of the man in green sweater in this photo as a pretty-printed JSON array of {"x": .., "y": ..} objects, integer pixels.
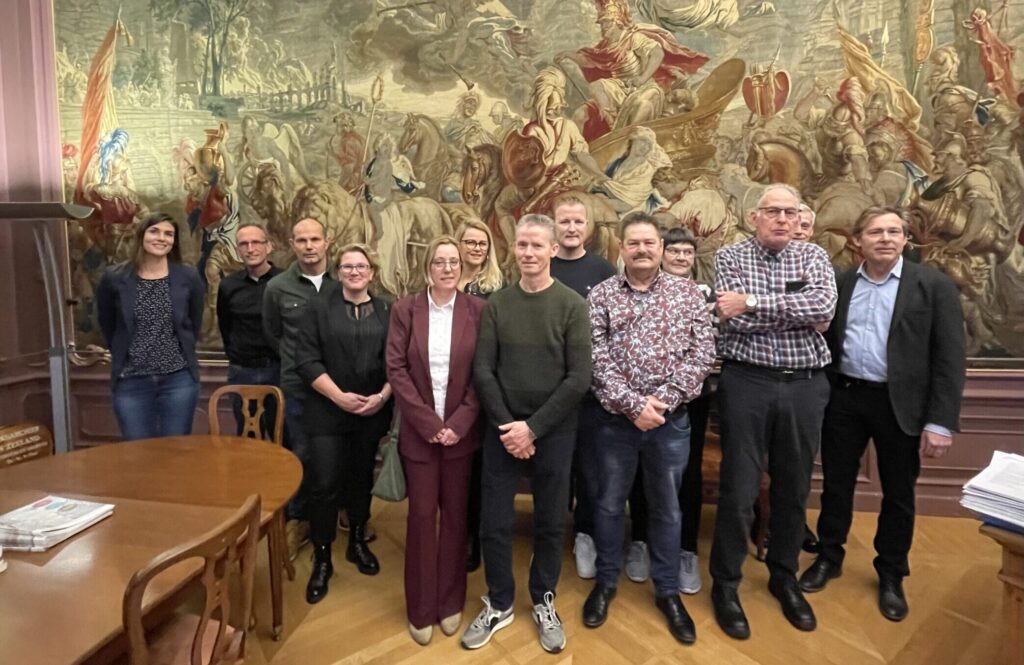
[{"x": 531, "y": 370}]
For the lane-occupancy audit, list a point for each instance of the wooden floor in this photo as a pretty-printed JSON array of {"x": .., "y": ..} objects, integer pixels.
[{"x": 954, "y": 599}]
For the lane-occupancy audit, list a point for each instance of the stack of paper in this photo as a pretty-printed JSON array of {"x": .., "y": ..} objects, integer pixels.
[
  {"x": 3, "y": 564},
  {"x": 46, "y": 522},
  {"x": 997, "y": 493}
]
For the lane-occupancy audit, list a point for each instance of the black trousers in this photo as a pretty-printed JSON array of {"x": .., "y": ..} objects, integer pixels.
[
  {"x": 765, "y": 414},
  {"x": 691, "y": 493},
  {"x": 340, "y": 465},
  {"x": 858, "y": 412},
  {"x": 549, "y": 471}
]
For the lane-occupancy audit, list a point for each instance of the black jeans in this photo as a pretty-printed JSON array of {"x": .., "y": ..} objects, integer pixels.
[
  {"x": 855, "y": 414},
  {"x": 340, "y": 463},
  {"x": 691, "y": 493},
  {"x": 778, "y": 416},
  {"x": 295, "y": 440},
  {"x": 548, "y": 470}
]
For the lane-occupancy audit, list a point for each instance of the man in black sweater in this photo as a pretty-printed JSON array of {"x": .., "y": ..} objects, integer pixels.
[{"x": 531, "y": 369}]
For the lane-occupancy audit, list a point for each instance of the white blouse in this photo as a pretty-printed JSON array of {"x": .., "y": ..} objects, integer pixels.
[{"x": 439, "y": 346}]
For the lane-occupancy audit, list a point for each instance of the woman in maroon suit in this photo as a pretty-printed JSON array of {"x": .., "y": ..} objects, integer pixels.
[{"x": 430, "y": 349}]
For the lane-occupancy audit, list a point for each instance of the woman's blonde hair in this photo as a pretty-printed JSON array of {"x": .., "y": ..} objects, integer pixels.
[
  {"x": 489, "y": 279},
  {"x": 371, "y": 258},
  {"x": 431, "y": 250}
]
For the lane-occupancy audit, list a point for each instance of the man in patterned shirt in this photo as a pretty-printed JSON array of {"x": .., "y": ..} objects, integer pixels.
[
  {"x": 653, "y": 347},
  {"x": 774, "y": 297}
]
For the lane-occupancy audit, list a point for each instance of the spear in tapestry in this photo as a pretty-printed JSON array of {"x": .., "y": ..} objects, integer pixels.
[
  {"x": 885, "y": 44},
  {"x": 376, "y": 94},
  {"x": 924, "y": 39}
]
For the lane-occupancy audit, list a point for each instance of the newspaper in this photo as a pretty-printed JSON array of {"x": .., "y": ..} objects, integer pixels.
[
  {"x": 46, "y": 522},
  {"x": 997, "y": 493}
]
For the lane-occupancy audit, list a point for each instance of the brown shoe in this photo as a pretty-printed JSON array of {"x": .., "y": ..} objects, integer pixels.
[{"x": 296, "y": 535}]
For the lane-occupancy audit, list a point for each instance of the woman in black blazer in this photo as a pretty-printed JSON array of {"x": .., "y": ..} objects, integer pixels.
[
  {"x": 150, "y": 310},
  {"x": 340, "y": 353}
]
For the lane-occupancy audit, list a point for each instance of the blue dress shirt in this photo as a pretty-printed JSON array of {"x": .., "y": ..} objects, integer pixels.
[{"x": 867, "y": 329}]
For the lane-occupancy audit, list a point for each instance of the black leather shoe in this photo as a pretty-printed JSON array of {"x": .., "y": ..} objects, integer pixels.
[
  {"x": 323, "y": 569},
  {"x": 359, "y": 553},
  {"x": 729, "y": 613},
  {"x": 472, "y": 554},
  {"x": 794, "y": 606},
  {"x": 679, "y": 622},
  {"x": 810, "y": 543},
  {"x": 891, "y": 600},
  {"x": 817, "y": 576},
  {"x": 595, "y": 610}
]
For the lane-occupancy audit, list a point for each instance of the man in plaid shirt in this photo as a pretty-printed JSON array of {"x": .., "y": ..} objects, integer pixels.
[{"x": 775, "y": 298}]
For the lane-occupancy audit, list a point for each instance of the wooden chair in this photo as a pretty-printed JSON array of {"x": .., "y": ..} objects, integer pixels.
[
  {"x": 254, "y": 400},
  {"x": 711, "y": 470},
  {"x": 23, "y": 442},
  {"x": 218, "y": 635}
]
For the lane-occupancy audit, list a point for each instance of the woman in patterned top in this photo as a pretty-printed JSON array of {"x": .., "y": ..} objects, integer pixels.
[{"x": 150, "y": 310}]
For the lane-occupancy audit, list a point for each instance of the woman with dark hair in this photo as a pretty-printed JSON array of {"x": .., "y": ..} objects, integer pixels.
[
  {"x": 340, "y": 353},
  {"x": 150, "y": 310},
  {"x": 430, "y": 367}
]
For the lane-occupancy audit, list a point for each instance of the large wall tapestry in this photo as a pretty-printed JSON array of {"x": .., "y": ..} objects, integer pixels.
[{"x": 391, "y": 121}]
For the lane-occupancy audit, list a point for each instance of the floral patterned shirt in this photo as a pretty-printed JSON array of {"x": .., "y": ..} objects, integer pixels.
[{"x": 657, "y": 342}]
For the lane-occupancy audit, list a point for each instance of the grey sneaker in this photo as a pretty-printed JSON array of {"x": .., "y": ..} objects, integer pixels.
[
  {"x": 549, "y": 626},
  {"x": 689, "y": 572},
  {"x": 488, "y": 622},
  {"x": 638, "y": 562},
  {"x": 586, "y": 556}
]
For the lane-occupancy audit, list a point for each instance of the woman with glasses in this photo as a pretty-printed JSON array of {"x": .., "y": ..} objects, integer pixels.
[
  {"x": 481, "y": 275},
  {"x": 150, "y": 310},
  {"x": 430, "y": 368},
  {"x": 340, "y": 353}
]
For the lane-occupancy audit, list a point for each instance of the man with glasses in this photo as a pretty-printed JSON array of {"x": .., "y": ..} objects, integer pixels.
[
  {"x": 284, "y": 305},
  {"x": 897, "y": 375},
  {"x": 252, "y": 360},
  {"x": 773, "y": 295},
  {"x": 580, "y": 271}
]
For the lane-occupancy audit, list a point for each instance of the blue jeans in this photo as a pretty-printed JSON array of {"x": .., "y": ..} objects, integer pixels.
[
  {"x": 256, "y": 376},
  {"x": 156, "y": 405},
  {"x": 662, "y": 454}
]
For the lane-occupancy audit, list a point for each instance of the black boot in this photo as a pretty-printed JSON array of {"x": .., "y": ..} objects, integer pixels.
[
  {"x": 359, "y": 552},
  {"x": 323, "y": 569}
]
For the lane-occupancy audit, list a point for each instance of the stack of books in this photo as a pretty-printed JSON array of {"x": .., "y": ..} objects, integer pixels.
[
  {"x": 996, "y": 494},
  {"x": 46, "y": 522}
]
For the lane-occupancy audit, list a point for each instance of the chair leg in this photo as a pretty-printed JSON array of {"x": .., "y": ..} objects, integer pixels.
[
  {"x": 282, "y": 538},
  {"x": 275, "y": 548},
  {"x": 765, "y": 506}
]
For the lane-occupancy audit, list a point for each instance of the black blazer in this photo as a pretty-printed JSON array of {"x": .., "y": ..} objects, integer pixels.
[
  {"x": 321, "y": 349},
  {"x": 926, "y": 348},
  {"x": 115, "y": 310}
]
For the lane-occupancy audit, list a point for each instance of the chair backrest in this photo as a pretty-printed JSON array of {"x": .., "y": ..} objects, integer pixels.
[
  {"x": 23, "y": 442},
  {"x": 250, "y": 395},
  {"x": 231, "y": 544}
]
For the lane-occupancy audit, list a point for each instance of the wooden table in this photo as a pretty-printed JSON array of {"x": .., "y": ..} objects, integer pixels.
[
  {"x": 1012, "y": 576},
  {"x": 64, "y": 605}
]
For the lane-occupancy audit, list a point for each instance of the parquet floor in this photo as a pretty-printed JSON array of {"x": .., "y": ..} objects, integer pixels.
[{"x": 953, "y": 593}]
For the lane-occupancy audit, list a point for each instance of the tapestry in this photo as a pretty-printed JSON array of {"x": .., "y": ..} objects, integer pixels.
[{"x": 393, "y": 121}]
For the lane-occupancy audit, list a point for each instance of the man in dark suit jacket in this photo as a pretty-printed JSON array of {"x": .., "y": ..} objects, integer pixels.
[{"x": 898, "y": 368}]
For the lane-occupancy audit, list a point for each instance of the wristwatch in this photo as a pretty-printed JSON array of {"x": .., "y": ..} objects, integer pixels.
[{"x": 751, "y": 301}]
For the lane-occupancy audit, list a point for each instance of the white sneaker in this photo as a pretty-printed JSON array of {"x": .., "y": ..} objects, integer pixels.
[
  {"x": 638, "y": 562},
  {"x": 549, "y": 626},
  {"x": 689, "y": 572},
  {"x": 586, "y": 556}
]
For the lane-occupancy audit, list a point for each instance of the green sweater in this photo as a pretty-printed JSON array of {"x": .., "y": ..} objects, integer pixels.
[{"x": 533, "y": 358}]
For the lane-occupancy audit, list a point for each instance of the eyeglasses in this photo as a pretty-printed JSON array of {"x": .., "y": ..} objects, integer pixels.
[
  {"x": 679, "y": 251},
  {"x": 246, "y": 244},
  {"x": 476, "y": 244},
  {"x": 776, "y": 213},
  {"x": 357, "y": 267},
  {"x": 441, "y": 264}
]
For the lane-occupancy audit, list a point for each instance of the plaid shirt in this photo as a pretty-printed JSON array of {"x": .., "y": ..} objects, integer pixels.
[
  {"x": 656, "y": 342},
  {"x": 795, "y": 289}
]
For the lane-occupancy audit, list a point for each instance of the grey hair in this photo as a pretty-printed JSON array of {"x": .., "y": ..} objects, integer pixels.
[
  {"x": 542, "y": 221},
  {"x": 806, "y": 208},
  {"x": 778, "y": 185}
]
